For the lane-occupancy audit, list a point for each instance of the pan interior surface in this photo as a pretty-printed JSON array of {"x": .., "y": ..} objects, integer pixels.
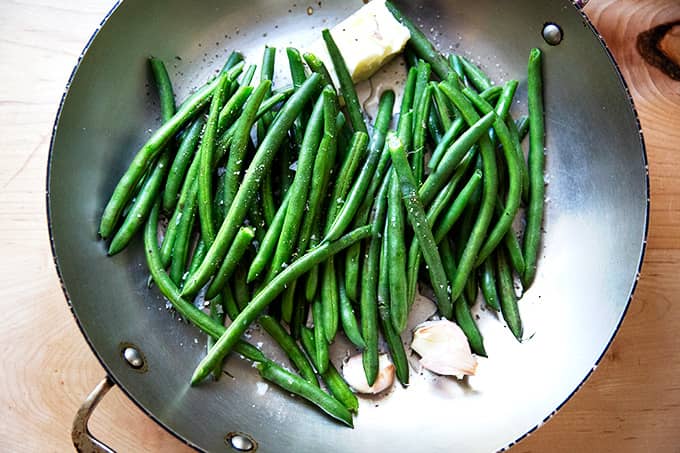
[{"x": 594, "y": 227}]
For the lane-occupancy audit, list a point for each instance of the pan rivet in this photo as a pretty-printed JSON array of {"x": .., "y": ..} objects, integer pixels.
[
  {"x": 552, "y": 33},
  {"x": 133, "y": 357},
  {"x": 240, "y": 442}
]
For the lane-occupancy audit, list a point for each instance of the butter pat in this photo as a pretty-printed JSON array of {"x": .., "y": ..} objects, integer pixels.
[{"x": 367, "y": 39}]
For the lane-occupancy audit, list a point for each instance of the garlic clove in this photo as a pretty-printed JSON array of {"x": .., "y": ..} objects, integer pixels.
[
  {"x": 353, "y": 372},
  {"x": 444, "y": 349}
]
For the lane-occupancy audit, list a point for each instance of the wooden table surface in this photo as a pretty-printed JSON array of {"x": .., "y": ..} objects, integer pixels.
[{"x": 631, "y": 403}]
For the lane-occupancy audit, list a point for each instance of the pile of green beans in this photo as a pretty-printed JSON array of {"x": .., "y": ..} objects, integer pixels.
[{"x": 279, "y": 207}]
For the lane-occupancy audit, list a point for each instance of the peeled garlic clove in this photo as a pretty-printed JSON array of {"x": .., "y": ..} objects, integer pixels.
[
  {"x": 353, "y": 372},
  {"x": 444, "y": 349}
]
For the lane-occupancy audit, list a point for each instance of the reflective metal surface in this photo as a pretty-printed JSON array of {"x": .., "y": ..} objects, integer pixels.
[{"x": 595, "y": 226}]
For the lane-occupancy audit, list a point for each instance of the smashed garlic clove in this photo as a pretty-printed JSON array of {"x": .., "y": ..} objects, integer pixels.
[
  {"x": 353, "y": 372},
  {"x": 444, "y": 349}
]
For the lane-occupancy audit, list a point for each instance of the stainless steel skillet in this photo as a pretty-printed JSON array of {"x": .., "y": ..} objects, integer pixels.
[{"x": 595, "y": 227}]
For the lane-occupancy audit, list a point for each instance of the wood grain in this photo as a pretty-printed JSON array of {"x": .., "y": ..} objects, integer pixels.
[{"x": 631, "y": 403}]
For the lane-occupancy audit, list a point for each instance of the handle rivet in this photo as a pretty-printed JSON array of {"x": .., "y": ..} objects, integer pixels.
[
  {"x": 240, "y": 442},
  {"x": 552, "y": 34},
  {"x": 133, "y": 357}
]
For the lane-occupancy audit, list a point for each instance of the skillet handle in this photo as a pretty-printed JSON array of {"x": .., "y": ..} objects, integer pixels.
[{"x": 83, "y": 440}]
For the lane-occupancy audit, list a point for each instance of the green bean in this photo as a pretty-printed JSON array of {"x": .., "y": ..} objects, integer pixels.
[
  {"x": 391, "y": 336},
  {"x": 434, "y": 127},
  {"x": 229, "y": 302},
  {"x": 421, "y": 45},
  {"x": 316, "y": 195},
  {"x": 471, "y": 289},
  {"x": 487, "y": 282},
  {"x": 443, "y": 109},
  {"x": 297, "y": 68},
  {"x": 453, "y": 156},
  {"x": 344, "y": 136},
  {"x": 323, "y": 166},
  {"x": 285, "y": 161},
  {"x": 532, "y": 233},
  {"x": 457, "y": 127},
  {"x": 344, "y": 180},
  {"x": 475, "y": 75},
  {"x": 352, "y": 264},
  {"x": 322, "y": 361},
  {"x": 268, "y": 204},
  {"x": 368, "y": 172},
  {"x": 300, "y": 312},
  {"x": 419, "y": 130},
  {"x": 256, "y": 218},
  {"x": 457, "y": 66},
  {"x": 490, "y": 172},
  {"x": 407, "y": 97},
  {"x": 368, "y": 306},
  {"x": 258, "y": 166},
  {"x": 207, "y": 153},
  {"x": 312, "y": 284},
  {"x": 146, "y": 196},
  {"x": 165, "y": 92},
  {"x": 444, "y": 197},
  {"x": 316, "y": 65},
  {"x": 348, "y": 318},
  {"x": 199, "y": 253},
  {"x": 462, "y": 313},
  {"x": 180, "y": 247},
  {"x": 508, "y": 299},
  {"x": 410, "y": 57},
  {"x": 514, "y": 195},
  {"x": 522, "y": 125},
  {"x": 294, "y": 384},
  {"x": 288, "y": 304},
  {"x": 423, "y": 72},
  {"x": 418, "y": 221},
  {"x": 268, "y": 62},
  {"x": 512, "y": 245},
  {"x": 396, "y": 255},
  {"x": 269, "y": 292},
  {"x": 268, "y": 244},
  {"x": 330, "y": 310},
  {"x": 248, "y": 75},
  {"x": 240, "y": 287},
  {"x": 523, "y": 169},
  {"x": 239, "y": 143},
  {"x": 346, "y": 84},
  {"x": 269, "y": 103},
  {"x": 467, "y": 323},
  {"x": 180, "y": 164},
  {"x": 234, "y": 58},
  {"x": 457, "y": 207},
  {"x": 241, "y": 243},
  {"x": 231, "y": 110},
  {"x": 298, "y": 76},
  {"x": 186, "y": 202},
  {"x": 438, "y": 205},
  {"x": 293, "y": 219},
  {"x": 292, "y": 350},
  {"x": 123, "y": 191},
  {"x": 493, "y": 93},
  {"x": 183, "y": 307},
  {"x": 333, "y": 380}
]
